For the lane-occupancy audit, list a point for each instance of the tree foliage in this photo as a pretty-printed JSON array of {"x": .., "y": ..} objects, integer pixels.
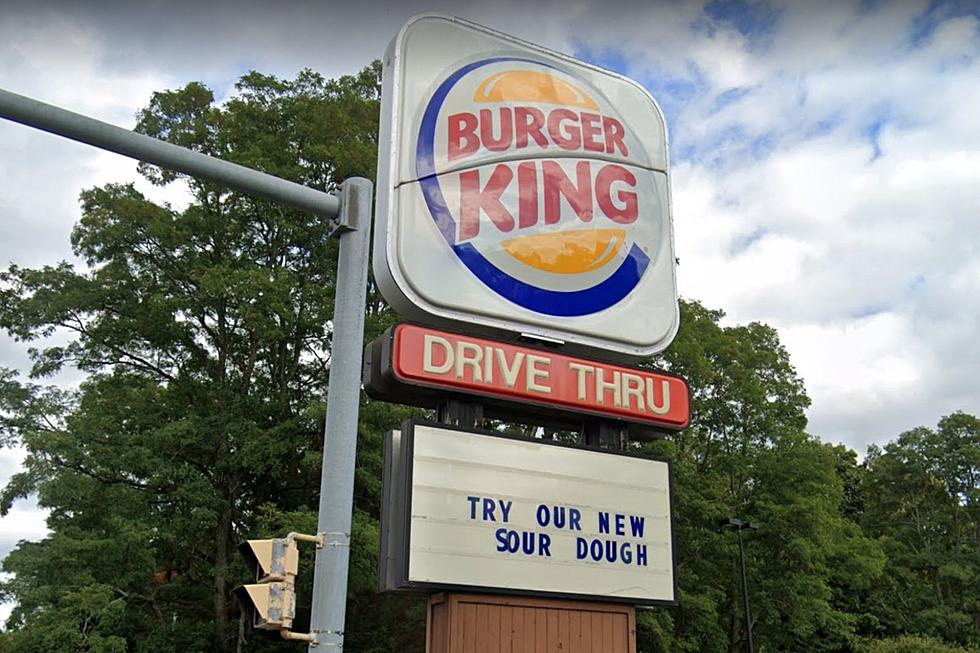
[
  {"x": 922, "y": 500},
  {"x": 747, "y": 456},
  {"x": 205, "y": 337},
  {"x": 913, "y": 644}
]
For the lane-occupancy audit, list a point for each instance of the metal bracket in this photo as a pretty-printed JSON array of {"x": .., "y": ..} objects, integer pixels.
[
  {"x": 347, "y": 213},
  {"x": 605, "y": 434},
  {"x": 460, "y": 413},
  {"x": 344, "y": 541},
  {"x": 303, "y": 537},
  {"x": 337, "y": 633},
  {"x": 544, "y": 340},
  {"x": 298, "y": 637}
]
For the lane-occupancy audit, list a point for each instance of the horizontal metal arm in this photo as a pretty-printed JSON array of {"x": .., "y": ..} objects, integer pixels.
[
  {"x": 167, "y": 155},
  {"x": 297, "y": 637}
]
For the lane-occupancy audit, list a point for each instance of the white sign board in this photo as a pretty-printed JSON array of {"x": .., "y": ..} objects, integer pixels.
[
  {"x": 524, "y": 191},
  {"x": 512, "y": 514}
]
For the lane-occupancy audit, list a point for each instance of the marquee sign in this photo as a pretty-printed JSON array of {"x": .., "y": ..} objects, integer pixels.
[
  {"x": 524, "y": 191},
  {"x": 526, "y": 516},
  {"x": 419, "y": 365}
]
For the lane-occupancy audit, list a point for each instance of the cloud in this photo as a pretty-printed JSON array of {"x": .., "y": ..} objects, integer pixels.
[
  {"x": 824, "y": 182},
  {"x": 24, "y": 521}
]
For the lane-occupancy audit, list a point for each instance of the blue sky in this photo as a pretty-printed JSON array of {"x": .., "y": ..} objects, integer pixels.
[
  {"x": 825, "y": 160},
  {"x": 678, "y": 88}
]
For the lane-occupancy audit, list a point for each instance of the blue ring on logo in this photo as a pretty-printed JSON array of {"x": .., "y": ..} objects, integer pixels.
[{"x": 549, "y": 302}]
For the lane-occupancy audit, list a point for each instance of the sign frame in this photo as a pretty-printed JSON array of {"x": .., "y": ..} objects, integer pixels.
[
  {"x": 400, "y": 526},
  {"x": 382, "y": 381},
  {"x": 391, "y": 475},
  {"x": 589, "y": 337}
]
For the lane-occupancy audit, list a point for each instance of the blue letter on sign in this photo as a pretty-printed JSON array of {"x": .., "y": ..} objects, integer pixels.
[{"x": 604, "y": 522}]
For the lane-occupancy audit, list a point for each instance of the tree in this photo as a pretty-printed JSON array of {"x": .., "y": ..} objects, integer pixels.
[
  {"x": 922, "y": 497},
  {"x": 205, "y": 336},
  {"x": 747, "y": 455},
  {"x": 913, "y": 644}
]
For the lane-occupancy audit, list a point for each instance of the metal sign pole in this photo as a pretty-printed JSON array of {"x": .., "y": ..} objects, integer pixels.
[
  {"x": 340, "y": 437},
  {"x": 90, "y": 131}
]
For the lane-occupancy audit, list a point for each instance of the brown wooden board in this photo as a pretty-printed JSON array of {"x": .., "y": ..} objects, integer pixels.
[{"x": 484, "y": 623}]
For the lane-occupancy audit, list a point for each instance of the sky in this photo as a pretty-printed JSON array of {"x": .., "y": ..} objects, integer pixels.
[{"x": 825, "y": 161}]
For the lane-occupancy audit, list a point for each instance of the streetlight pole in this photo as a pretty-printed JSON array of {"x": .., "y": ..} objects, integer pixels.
[{"x": 738, "y": 525}]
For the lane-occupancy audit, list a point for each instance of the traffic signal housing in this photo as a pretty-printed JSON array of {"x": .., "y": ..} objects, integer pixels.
[
  {"x": 269, "y": 606},
  {"x": 271, "y": 601}
]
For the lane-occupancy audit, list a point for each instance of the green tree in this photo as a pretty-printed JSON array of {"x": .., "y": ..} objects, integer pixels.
[
  {"x": 205, "y": 337},
  {"x": 747, "y": 455},
  {"x": 913, "y": 644},
  {"x": 922, "y": 500}
]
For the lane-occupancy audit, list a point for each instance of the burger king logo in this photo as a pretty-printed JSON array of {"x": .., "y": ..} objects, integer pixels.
[{"x": 539, "y": 188}]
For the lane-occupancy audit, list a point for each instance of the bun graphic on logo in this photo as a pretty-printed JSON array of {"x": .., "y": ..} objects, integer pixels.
[{"x": 537, "y": 185}]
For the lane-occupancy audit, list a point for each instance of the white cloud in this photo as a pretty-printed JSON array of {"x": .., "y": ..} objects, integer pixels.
[
  {"x": 864, "y": 375},
  {"x": 833, "y": 196},
  {"x": 24, "y": 521}
]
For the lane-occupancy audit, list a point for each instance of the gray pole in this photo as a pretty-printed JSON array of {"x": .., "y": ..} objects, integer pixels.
[
  {"x": 152, "y": 150},
  {"x": 343, "y": 402}
]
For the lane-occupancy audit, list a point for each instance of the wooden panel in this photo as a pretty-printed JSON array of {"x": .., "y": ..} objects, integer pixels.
[
  {"x": 596, "y": 619},
  {"x": 437, "y": 631},
  {"x": 564, "y": 638},
  {"x": 520, "y": 631},
  {"x": 466, "y": 622},
  {"x": 507, "y": 629},
  {"x": 540, "y": 631},
  {"x": 483, "y": 627},
  {"x": 552, "y": 641},
  {"x": 575, "y": 634},
  {"x": 608, "y": 628},
  {"x": 478, "y": 623},
  {"x": 619, "y": 626},
  {"x": 493, "y": 628}
]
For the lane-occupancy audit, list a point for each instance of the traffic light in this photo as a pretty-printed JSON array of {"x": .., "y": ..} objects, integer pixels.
[
  {"x": 272, "y": 606},
  {"x": 271, "y": 601},
  {"x": 271, "y": 560}
]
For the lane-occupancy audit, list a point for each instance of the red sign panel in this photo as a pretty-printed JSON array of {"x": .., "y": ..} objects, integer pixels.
[{"x": 440, "y": 359}]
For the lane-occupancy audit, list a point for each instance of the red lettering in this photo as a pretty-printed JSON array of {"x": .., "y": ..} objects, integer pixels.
[
  {"x": 506, "y": 130},
  {"x": 614, "y": 135},
  {"x": 527, "y": 193},
  {"x": 528, "y": 121},
  {"x": 473, "y": 201},
  {"x": 557, "y": 184},
  {"x": 463, "y": 140},
  {"x": 517, "y": 127},
  {"x": 591, "y": 129},
  {"x": 570, "y": 140},
  {"x": 609, "y": 174}
]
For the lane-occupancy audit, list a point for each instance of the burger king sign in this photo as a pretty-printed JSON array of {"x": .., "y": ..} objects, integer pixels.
[{"x": 522, "y": 191}]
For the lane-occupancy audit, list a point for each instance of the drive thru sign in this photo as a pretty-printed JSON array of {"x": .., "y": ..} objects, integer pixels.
[{"x": 523, "y": 191}]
